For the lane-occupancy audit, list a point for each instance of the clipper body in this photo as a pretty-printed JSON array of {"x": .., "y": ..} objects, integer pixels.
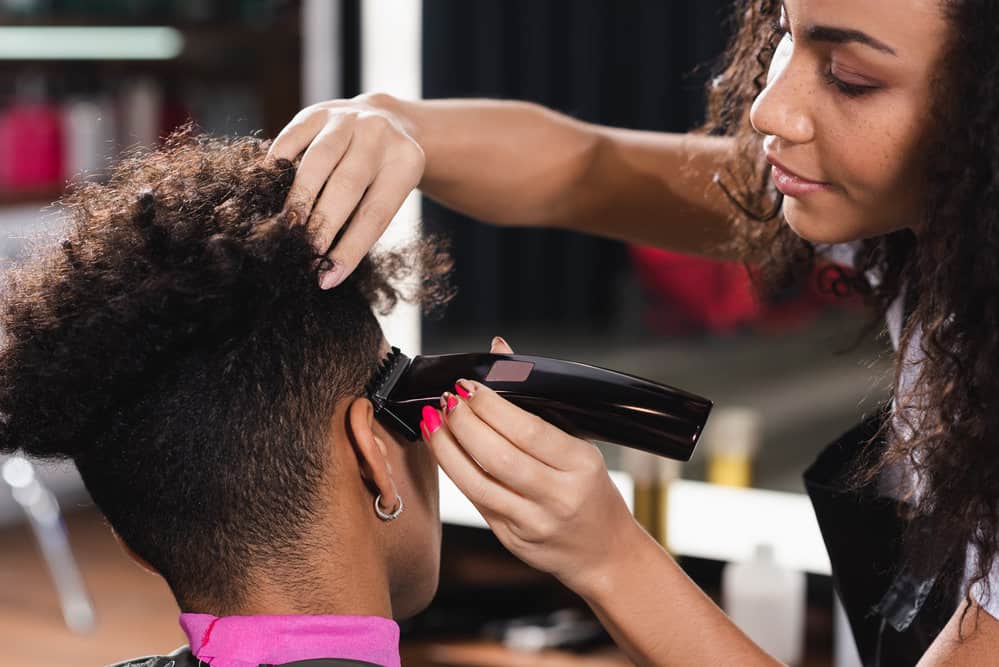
[{"x": 586, "y": 401}]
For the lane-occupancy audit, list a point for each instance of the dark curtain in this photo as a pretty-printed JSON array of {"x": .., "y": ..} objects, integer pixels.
[
  {"x": 350, "y": 38},
  {"x": 627, "y": 63}
]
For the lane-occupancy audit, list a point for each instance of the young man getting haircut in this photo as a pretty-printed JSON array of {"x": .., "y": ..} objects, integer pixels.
[{"x": 176, "y": 347}]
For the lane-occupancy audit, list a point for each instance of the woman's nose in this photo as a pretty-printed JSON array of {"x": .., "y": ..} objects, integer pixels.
[{"x": 782, "y": 109}]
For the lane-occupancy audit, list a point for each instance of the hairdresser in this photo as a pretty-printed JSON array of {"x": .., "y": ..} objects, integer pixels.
[{"x": 857, "y": 131}]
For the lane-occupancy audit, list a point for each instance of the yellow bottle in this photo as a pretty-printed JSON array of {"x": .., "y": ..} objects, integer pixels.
[
  {"x": 731, "y": 440},
  {"x": 652, "y": 476}
]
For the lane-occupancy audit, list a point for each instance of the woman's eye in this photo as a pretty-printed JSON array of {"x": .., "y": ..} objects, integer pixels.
[{"x": 848, "y": 89}]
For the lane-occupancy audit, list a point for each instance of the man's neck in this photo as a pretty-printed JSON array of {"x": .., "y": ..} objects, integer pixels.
[{"x": 354, "y": 584}]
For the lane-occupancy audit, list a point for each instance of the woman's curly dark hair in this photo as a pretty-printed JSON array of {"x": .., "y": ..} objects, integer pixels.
[
  {"x": 950, "y": 278},
  {"x": 176, "y": 346}
]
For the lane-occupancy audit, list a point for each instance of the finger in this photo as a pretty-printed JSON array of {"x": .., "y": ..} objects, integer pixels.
[
  {"x": 488, "y": 495},
  {"x": 501, "y": 459},
  {"x": 321, "y": 159},
  {"x": 531, "y": 434},
  {"x": 500, "y": 346},
  {"x": 372, "y": 216},
  {"x": 341, "y": 195},
  {"x": 296, "y": 135}
]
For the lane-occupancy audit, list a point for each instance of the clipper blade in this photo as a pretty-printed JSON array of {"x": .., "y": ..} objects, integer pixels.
[{"x": 383, "y": 382}]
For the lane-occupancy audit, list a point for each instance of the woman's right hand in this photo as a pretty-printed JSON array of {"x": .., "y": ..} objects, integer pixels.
[
  {"x": 545, "y": 494},
  {"x": 548, "y": 498},
  {"x": 358, "y": 165}
]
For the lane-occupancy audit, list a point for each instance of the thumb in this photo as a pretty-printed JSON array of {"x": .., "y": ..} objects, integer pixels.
[{"x": 500, "y": 346}]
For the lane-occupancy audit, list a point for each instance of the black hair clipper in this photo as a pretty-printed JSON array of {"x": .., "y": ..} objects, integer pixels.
[{"x": 586, "y": 401}]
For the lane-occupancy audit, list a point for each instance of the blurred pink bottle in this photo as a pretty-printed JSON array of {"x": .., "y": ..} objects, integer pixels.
[{"x": 31, "y": 146}]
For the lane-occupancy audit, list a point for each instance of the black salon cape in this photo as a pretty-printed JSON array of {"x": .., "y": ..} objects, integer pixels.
[
  {"x": 183, "y": 657},
  {"x": 895, "y": 612}
]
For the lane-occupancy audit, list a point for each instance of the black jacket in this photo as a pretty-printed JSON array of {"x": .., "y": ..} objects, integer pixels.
[{"x": 183, "y": 657}]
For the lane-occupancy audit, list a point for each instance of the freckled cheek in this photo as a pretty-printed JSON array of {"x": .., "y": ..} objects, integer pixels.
[
  {"x": 873, "y": 172},
  {"x": 898, "y": 192},
  {"x": 871, "y": 163}
]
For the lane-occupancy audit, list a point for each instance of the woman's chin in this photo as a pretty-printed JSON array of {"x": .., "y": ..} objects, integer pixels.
[
  {"x": 817, "y": 227},
  {"x": 836, "y": 224}
]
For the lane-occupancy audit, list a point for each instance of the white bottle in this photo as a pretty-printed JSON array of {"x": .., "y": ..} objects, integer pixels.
[
  {"x": 768, "y": 603},
  {"x": 89, "y": 131},
  {"x": 142, "y": 108}
]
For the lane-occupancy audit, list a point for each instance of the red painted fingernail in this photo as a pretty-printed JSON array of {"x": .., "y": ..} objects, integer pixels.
[
  {"x": 452, "y": 402},
  {"x": 431, "y": 418},
  {"x": 461, "y": 390},
  {"x": 426, "y": 433}
]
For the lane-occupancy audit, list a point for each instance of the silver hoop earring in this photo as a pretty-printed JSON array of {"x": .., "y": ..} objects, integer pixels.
[{"x": 388, "y": 516}]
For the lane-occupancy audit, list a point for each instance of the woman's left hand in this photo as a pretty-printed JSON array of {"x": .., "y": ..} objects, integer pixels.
[{"x": 546, "y": 495}]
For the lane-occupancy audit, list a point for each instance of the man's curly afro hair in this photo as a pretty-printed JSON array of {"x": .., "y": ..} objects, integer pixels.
[{"x": 175, "y": 345}]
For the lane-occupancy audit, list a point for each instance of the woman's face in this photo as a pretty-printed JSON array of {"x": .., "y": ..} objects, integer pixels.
[{"x": 843, "y": 112}]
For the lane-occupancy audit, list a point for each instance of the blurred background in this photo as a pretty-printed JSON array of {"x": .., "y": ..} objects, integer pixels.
[{"x": 82, "y": 81}]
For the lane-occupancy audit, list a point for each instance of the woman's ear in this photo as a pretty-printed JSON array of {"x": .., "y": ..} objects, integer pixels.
[
  {"x": 134, "y": 556},
  {"x": 371, "y": 451}
]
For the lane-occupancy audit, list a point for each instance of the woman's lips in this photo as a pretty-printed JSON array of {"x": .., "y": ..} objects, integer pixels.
[{"x": 792, "y": 184}]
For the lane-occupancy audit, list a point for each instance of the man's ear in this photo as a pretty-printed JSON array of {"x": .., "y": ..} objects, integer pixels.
[
  {"x": 371, "y": 451},
  {"x": 134, "y": 556}
]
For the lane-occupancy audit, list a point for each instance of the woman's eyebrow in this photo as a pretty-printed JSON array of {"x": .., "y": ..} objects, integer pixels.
[
  {"x": 829, "y": 34},
  {"x": 822, "y": 33}
]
